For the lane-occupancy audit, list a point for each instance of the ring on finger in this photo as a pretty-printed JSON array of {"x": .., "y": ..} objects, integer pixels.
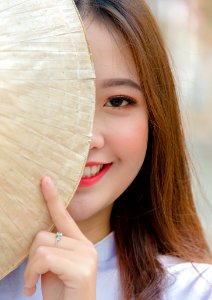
[{"x": 58, "y": 238}]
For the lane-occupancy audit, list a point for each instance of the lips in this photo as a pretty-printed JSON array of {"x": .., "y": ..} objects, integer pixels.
[{"x": 93, "y": 172}]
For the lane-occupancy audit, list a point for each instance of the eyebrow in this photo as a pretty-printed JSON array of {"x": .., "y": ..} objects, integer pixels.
[{"x": 121, "y": 82}]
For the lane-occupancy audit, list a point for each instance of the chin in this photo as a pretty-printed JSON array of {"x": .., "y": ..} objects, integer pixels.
[{"x": 79, "y": 214}]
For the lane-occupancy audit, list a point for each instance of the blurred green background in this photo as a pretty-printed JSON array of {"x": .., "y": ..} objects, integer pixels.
[{"x": 187, "y": 29}]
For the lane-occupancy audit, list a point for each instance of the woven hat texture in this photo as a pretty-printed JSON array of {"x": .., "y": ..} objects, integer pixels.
[{"x": 47, "y": 103}]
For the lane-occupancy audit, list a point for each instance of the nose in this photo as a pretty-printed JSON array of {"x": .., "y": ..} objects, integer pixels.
[{"x": 97, "y": 139}]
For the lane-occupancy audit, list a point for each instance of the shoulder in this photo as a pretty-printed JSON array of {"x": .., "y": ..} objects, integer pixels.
[{"x": 186, "y": 280}]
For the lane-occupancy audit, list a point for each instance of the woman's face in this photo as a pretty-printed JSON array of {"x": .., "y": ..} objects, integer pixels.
[{"x": 120, "y": 129}]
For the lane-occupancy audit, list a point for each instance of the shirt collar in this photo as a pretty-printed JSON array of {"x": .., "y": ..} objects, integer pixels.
[{"x": 106, "y": 247}]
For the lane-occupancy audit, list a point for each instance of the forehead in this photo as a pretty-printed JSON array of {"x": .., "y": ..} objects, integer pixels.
[{"x": 110, "y": 52}]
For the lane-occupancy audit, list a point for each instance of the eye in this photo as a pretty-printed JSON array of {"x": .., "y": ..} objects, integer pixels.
[{"x": 119, "y": 101}]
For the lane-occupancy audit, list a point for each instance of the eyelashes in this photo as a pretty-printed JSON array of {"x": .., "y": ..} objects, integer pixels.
[{"x": 120, "y": 101}]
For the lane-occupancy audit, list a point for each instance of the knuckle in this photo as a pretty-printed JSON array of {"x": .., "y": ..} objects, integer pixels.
[
  {"x": 45, "y": 255},
  {"x": 94, "y": 255},
  {"x": 41, "y": 251},
  {"x": 92, "y": 260},
  {"x": 49, "y": 259},
  {"x": 40, "y": 237},
  {"x": 88, "y": 268},
  {"x": 87, "y": 274},
  {"x": 90, "y": 244}
]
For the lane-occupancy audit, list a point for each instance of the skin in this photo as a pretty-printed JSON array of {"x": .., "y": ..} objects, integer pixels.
[{"x": 120, "y": 134}]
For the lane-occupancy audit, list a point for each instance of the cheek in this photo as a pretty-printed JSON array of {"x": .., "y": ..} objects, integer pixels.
[{"x": 130, "y": 138}]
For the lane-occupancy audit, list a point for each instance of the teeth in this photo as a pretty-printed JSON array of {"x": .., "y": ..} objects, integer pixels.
[{"x": 91, "y": 171}]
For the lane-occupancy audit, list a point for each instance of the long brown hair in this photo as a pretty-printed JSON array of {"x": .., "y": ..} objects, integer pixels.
[{"x": 156, "y": 214}]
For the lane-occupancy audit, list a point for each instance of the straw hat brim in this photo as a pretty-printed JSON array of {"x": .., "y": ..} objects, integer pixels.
[{"x": 46, "y": 115}]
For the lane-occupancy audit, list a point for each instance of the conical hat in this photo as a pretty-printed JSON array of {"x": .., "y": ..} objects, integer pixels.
[{"x": 47, "y": 102}]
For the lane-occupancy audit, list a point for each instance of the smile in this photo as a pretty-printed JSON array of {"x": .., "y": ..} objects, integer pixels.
[{"x": 93, "y": 173}]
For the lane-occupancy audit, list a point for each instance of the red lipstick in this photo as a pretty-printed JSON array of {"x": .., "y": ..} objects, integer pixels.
[{"x": 89, "y": 181}]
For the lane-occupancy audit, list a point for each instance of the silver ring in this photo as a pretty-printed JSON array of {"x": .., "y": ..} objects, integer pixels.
[{"x": 58, "y": 238}]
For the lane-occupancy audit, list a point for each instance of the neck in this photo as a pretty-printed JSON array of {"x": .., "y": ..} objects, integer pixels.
[{"x": 102, "y": 225}]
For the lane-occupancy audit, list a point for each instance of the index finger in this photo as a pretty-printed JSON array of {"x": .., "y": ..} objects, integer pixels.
[{"x": 60, "y": 216}]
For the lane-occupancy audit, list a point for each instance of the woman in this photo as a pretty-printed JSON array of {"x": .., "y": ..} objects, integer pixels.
[{"x": 134, "y": 201}]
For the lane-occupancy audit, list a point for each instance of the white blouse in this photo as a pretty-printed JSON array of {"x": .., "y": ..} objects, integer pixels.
[{"x": 184, "y": 281}]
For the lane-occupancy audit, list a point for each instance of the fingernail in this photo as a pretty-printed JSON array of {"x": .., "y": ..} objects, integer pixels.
[
  {"x": 47, "y": 181},
  {"x": 29, "y": 291}
]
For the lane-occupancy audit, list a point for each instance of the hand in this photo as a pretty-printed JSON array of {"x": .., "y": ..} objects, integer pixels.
[{"x": 68, "y": 269}]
